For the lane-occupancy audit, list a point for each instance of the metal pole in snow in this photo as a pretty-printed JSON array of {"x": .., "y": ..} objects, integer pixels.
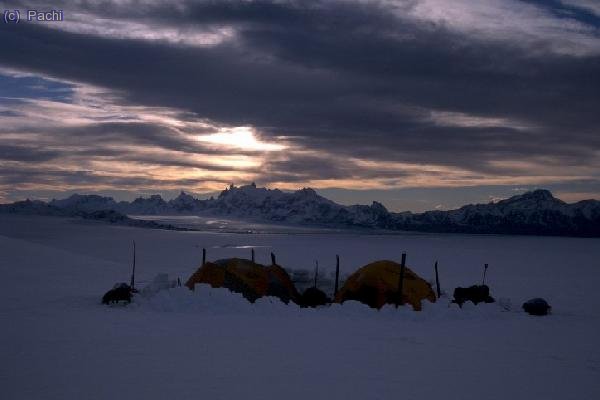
[
  {"x": 437, "y": 281},
  {"x": 337, "y": 275},
  {"x": 133, "y": 270},
  {"x": 253, "y": 254},
  {"x": 401, "y": 279},
  {"x": 273, "y": 260},
  {"x": 316, "y": 272},
  {"x": 485, "y": 267},
  {"x": 203, "y": 255}
]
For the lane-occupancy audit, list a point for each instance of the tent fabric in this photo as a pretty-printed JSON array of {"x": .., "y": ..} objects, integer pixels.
[
  {"x": 376, "y": 284},
  {"x": 250, "y": 279}
]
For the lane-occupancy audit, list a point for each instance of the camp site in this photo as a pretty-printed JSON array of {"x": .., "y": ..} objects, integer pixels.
[
  {"x": 300, "y": 199},
  {"x": 235, "y": 320}
]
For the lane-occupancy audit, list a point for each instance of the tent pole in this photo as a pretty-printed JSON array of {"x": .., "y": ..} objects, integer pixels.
[
  {"x": 485, "y": 267},
  {"x": 437, "y": 280},
  {"x": 401, "y": 280},
  {"x": 133, "y": 269},
  {"x": 337, "y": 275}
]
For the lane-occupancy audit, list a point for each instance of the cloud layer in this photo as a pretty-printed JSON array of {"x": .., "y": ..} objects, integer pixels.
[{"x": 347, "y": 94}]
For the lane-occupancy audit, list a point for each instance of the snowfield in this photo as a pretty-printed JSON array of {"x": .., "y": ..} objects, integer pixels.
[{"x": 59, "y": 342}]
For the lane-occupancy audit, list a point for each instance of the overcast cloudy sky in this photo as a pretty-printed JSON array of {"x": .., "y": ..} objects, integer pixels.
[{"x": 416, "y": 103}]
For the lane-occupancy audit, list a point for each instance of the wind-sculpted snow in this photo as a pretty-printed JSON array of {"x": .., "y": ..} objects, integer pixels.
[
  {"x": 220, "y": 301},
  {"x": 537, "y": 212}
]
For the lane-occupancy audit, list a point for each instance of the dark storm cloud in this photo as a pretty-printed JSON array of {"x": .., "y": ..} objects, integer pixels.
[
  {"x": 354, "y": 79},
  {"x": 26, "y": 153},
  {"x": 302, "y": 168},
  {"x": 43, "y": 176}
]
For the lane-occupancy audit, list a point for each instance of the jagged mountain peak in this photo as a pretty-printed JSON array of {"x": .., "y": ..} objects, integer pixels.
[
  {"x": 250, "y": 191},
  {"x": 378, "y": 206},
  {"x": 537, "y": 194},
  {"x": 85, "y": 197},
  {"x": 542, "y": 193},
  {"x": 153, "y": 197},
  {"x": 185, "y": 202},
  {"x": 539, "y": 198},
  {"x": 535, "y": 212},
  {"x": 307, "y": 192},
  {"x": 183, "y": 196},
  {"x": 85, "y": 202}
]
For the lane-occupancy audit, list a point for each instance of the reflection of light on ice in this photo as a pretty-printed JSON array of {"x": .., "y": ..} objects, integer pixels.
[{"x": 243, "y": 246}]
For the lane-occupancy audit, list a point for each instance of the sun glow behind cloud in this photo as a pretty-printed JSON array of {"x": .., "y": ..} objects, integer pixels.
[
  {"x": 96, "y": 141},
  {"x": 243, "y": 138}
]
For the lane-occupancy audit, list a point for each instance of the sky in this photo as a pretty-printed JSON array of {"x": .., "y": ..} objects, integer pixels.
[{"x": 418, "y": 104}]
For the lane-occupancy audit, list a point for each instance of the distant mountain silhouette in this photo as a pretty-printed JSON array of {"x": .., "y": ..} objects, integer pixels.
[
  {"x": 85, "y": 211},
  {"x": 533, "y": 213}
]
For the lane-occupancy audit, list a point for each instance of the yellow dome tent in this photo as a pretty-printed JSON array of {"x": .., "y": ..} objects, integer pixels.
[
  {"x": 376, "y": 284},
  {"x": 250, "y": 279}
]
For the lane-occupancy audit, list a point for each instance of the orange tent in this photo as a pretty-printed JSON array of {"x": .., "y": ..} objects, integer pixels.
[
  {"x": 250, "y": 279},
  {"x": 376, "y": 284}
]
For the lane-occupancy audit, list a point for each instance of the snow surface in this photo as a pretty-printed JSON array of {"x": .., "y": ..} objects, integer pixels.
[{"x": 59, "y": 342}]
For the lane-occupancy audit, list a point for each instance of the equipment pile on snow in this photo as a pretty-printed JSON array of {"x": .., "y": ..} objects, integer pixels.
[
  {"x": 314, "y": 297},
  {"x": 376, "y": 284},
  {"x": 537, "y": 306},
  {"x": 476, "y": 294},
  {"x": 119, "y": 292}
]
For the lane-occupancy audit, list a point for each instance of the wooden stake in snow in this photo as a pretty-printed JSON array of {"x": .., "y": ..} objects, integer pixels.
[
  {"x": 316, "y": 272},
  {"x": 273, "y": 260},
  {"x": 203, "y": 255},
  {"x": 437, "y": 281},
  {"x": 133, "y": 270},
  {"x": 337, "y": 274},
  {"x": 485, "y": 267},
  {"x": 401, "y": 279},
  {"x": 253, "y": 254}
]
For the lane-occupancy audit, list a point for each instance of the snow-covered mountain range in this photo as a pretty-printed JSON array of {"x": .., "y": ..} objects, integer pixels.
[{"x": 536, "y": 212}]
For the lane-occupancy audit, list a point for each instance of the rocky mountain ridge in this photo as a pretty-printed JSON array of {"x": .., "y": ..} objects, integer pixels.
[{"x": 537, "y": 212}]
